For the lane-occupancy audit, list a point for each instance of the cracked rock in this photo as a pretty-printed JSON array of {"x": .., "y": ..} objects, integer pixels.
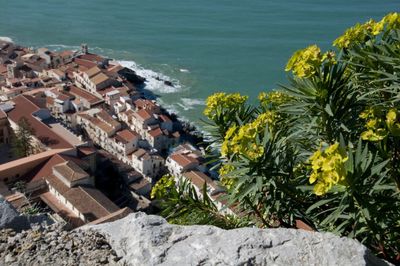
[{"x": 152, "y": 241}]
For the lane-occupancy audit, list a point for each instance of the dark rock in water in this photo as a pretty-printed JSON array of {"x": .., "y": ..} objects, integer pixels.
[
  {"x": 131, "y": 76},
  {"x": 168, "y": 83}
]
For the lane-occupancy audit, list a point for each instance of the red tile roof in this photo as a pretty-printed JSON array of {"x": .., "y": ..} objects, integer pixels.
[
  {"x": 24, "y": 108},
  {"x": 156, "y": 132},
  {"x": 84, "y": 95},
  {"x": 199, "y": 178},
  {"x": 144, "y": 114},
  {"x": 127, "y": 135},
  {"x": 183, "y": 160}
]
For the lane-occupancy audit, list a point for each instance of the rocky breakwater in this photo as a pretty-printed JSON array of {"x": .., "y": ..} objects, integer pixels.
[{"x": 149, "y": 240}]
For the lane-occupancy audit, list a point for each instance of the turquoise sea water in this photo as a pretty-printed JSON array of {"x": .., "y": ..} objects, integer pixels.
[{"x": 204, "y": 46}]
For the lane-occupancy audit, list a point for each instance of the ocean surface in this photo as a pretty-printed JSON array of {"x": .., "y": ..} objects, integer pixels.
[{"x": 202, "y": 46}]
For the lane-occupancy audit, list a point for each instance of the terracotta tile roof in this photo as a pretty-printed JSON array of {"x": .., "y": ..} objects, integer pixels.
[
  {"x": 87, "y": 150},
  {"x": 24, "y": 108},
  {"x": 115, "y": 68},
  {"x": 164, "y": 118},
  {"x": 139, "y": 153},
  {"x": 63, "y": 97},
  {"x": 84, "y": 64},
  {"x": 145, "y": 104},
  {"x": 93, "y": 71},
  {"x": 57, "y": 72},
  {"x": 143, "y": 114},
  {"x": 183, "y": 160},
  {"x": 44, "y": 169},
  {"x": 92, "y": 99},
  {"x": 89, "y": 201},
  {"x": 57, "y": 184},
  {"x": 70, "y": 171},
  {"x": 92, "y": 57},
  {"x": 156, "y": 132},
  {"x": 199, "y": 178},
  {"x": 127, "y": 135},
  {"x": 99, "y": 78},
  {"x": 66, "y": 53},
  {"x": 98, "y": 123},
  {"x": 107, "y": 118}
]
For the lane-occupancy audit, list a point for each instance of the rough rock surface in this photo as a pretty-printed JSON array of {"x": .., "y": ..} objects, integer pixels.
[
  {"x": 10, "y": 218},
  {"x": 149, "y": 240},
  {"x": 53, "y": 246}
]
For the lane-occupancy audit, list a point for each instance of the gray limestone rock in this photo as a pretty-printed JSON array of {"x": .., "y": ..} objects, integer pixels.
[
  {"x": 149, "y": 240},
  {"x": 10, "y": 218}
]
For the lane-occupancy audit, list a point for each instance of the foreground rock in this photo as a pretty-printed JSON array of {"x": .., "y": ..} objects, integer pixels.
[
  {"x": 10, "y": 218},
  {"x": 149, "y": 240},
  {"x": 53, "y": 246}
]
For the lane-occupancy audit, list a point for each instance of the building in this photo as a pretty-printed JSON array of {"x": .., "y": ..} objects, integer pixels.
[
  {"x": 71, "y": 187},
  {"x": 35, "y": 112},
  {"x": 150, "y": 165},
  {"x": 126, "y": 141},
  {"x": 93, "y": 80}
]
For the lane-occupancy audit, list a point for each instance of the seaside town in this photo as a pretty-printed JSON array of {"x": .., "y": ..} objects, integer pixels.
[{"x": 81, "y": 142}]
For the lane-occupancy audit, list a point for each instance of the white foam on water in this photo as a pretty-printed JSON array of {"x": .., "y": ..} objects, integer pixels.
[
  {"x": 5, "y": 39},
  {"x": 188, "y": 103},
  {"x": 62, "y": 46},
  {"x": 184, "y": 70},
  {"x": 154, "y": 80}
]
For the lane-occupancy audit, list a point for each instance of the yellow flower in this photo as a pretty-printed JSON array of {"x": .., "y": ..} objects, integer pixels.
[
  {"x": 376, "y": 130},
  {"x": 373, "y": 27},
  {"x": 226, "y": 169},
  {"x": 223, "y": 102},
  {"x": 392, "y": 21},
  {"x": 305, "y": 62},
  {"x": 328, "y": 169},
  {"x": 241, "y": 140},
  {"x": 274, "y": 98},
  {"x": 393, "y": 122},
  {"x": 352, "y": 36}
]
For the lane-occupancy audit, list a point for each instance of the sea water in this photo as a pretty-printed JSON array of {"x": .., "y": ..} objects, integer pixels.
[{"x": 201, "y": 46}]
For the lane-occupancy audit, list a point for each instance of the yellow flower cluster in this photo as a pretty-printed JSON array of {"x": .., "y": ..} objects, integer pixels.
[
  {"x": 222, "y": 101},
  {"x": 328, "y": 169},
  {"x": 392, "y": 21},
  {"x": 162, "y": 187},
  {"x": 241, "y": 140},
  {"x": 393, "y": 122},
  {"x": 357, "y": 34},
  {"x": 378, "y": 127},
  {"x": 275, "y": 98},
  {"x": 226, "y": 180},
  {"x": 305, "y": 62},
  {"x": 226, "y": 169}
]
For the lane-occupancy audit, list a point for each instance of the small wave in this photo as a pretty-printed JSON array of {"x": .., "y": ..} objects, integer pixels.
[
  {"x": 188, "y": 103},
  {"x": 184, "y": 70},
  {"x": 192, "y": 102},
  {"x": 6, "y": 39},
  {"x": 154, "y": 80},
  {"x": 62, "y": 46}
]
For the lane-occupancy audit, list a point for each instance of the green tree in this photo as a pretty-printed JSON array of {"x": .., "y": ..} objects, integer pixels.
[{"x": 22, "y": 140}]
